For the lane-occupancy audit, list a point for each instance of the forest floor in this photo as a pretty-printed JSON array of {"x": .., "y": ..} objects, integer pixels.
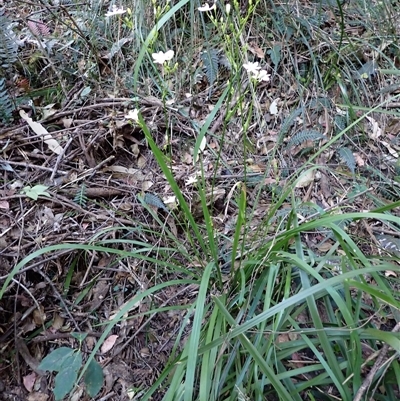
[{"x": 77, "y": 172}]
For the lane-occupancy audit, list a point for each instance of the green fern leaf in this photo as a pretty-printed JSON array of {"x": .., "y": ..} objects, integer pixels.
[
  {"x": 390, "y": 243},
  {"x": 287, "y": 123},
  {"x": 80, "y": 197},
  {"x": 388, "y": 192},
  {"x": 347, "y": 155},
  {"x": 340, "y": 123},
  {"x": 6, "y": 106},
  {"x": 8, "y": 43},
  {"x": 154, "y": 200},
  {"x": 320, "y": 103},
  {"x": 303, "y": 136},
  {"x": 210, "y": 65}
]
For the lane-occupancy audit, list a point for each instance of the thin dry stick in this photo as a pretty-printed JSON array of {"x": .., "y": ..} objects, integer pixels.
[
  {"x": 34, "y": 166},
  {"x": 26, "y": 355},
  {"x": 59, "y": 158},
  {"x": 19, "y": 219},
  {"x": 58, "y": 295},
  {"x": 378, "y": 363}
]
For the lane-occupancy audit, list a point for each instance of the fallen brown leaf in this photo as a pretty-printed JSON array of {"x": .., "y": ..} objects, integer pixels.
[{"x": 256, "y": 50}]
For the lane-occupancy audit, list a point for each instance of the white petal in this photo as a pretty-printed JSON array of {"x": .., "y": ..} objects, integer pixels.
[
  {"x": 169, "y": 55},
  {"x": 206, "y": 7},
  {"x": 252, "y": 67},
  {"x": 115, "y": 11},
  {"x": 263, "y": 76},
  {"x": 133, "y": 115},
  {"x": 273, "y": 108},
  {"x": 158, "y": 57}
]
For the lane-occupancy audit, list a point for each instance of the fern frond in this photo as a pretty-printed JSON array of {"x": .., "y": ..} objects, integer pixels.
[
  {"x": 80, "y": 197},
  {"x": 303, "y": 136},
  {"x": 340, "y": 123},
  {"x": 210, "y": 66},
  {"x": 8, "y": 43},
  {"x": 347, "y": 155},
  {"x": 288, "y": 122},
  {"x": 389, "y": 243},
  {"x": 388, "y": 192},
  {"x": 320, "y": 103},
  {"x": 153, "y": 200},
  {"x": 38, "y": 28},
  {"x": 6, "y": 105}
]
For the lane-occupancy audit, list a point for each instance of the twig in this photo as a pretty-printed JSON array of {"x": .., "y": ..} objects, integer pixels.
[
  {"x": 343, "y": 201},
  {"x": 378, "y": 363},
  {"x": 26, "y": 355},
  {"x": 58, "y": 295},
  {"x": 96, "y": 106},
  {"x": 32, "y": 166},
  {"x": 90, "y": 172},
  {"x": 59, "y": 158},
  {"x": 19, "y": 219},
  {"x": 36, "y": 264},
  {"x": 59, "y": 336}
]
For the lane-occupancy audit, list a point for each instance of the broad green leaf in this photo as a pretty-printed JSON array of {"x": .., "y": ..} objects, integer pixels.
[
  {"x": 93, "y": 378},
  {"x": 34, "y": 192},
  {"x": 55, "y": 360},
  {"x": 64, "y": 382},
  {"x": 275, "y": 54},
  {"x": 73, "y": 362}
]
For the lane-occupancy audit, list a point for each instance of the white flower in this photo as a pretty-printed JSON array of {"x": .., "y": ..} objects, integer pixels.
[
  {"x": 161, "y": 57},
  {"x": 192, "y": 179},
  {"x": 256, "y": 72},
  {"x": 206, "y": 7},
  {"x": 133, "y": 115},
  {"x": 115, "y": 11},
  {"x": 262, "y": 76},
  {"x": 252, "y": 68},
  {"x": 171, "y": 202}
]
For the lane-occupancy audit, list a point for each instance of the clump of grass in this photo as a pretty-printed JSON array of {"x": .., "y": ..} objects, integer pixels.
[{"x": 281, "y": 320}]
